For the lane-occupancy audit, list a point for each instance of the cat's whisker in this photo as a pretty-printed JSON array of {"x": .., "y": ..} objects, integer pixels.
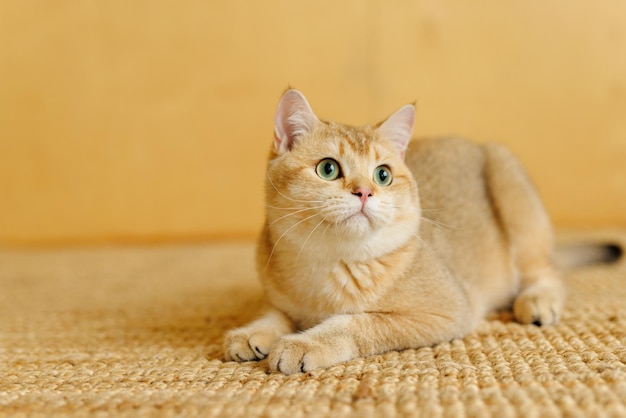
[
  {"x": 428, "y": 249},
  {"x": 390, "y": 205},
  {"x": 307, "y": 239},
  {"x": 326, "y": 230},
  {"x": 431, "y": 210},
  {"x": 293, "y": 208},
  {"x": 293, "y": 213},
  {"x": 336, "y": 228},
  {"x": 283, "y": 234},
  {"x": 286, "y": 197},
  {"x": 437, "y": 223}
]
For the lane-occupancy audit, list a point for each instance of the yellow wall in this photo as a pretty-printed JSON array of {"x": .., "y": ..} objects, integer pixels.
[{"x": 124, "y": 120}]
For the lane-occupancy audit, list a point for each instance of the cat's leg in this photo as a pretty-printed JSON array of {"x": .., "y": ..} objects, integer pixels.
[
  {"x": 345, "y": 337},
  {"x": 528, "y": 230},
  {"x": 253, "y": 341}
]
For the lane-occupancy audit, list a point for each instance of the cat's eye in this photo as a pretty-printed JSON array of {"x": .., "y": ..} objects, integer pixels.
[
  {"x": 382, "y": 175},
  {"x": 328, "y": 169}
]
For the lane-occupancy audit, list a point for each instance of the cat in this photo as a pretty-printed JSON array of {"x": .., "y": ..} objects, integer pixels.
[{"x": 374, "y": 242}]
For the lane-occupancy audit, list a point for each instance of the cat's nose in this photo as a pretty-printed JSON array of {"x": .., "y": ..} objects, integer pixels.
[{"x": 363, "y": 194}]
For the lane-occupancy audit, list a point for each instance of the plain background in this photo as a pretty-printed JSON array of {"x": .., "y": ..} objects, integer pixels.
[{"x": 124, "y": 121}]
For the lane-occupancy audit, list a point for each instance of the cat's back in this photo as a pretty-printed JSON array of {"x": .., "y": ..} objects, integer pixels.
[
  {"x": 459, "y": 221},
  {"x": 424, "y": 155},
  {"x": 449, "y": 172},
  {"x": 453, "y": 194}
]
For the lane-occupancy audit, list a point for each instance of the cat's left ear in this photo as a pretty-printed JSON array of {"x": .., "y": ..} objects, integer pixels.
[{"x": 398, "y": 127}]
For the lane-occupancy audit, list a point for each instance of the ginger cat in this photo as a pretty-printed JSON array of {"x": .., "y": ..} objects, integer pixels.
[{"x": 374, "y": 243}]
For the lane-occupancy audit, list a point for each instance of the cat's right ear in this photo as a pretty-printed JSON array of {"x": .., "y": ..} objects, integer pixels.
[
  {"x": 398, "y": 127},
  {"x": 294, "y": 118}
]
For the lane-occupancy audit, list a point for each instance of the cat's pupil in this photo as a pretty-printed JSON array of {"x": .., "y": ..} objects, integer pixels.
[
  {"x": 329, "y": 168},
  {"x": 382, "y": 175}
]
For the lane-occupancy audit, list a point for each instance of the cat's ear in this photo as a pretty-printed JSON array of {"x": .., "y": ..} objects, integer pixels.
[
  {"x": 398, "y": 127},
  {"x": 294, "y": 118}
]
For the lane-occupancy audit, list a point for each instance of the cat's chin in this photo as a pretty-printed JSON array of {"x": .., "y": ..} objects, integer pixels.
[{"x": 357, "y": 225}]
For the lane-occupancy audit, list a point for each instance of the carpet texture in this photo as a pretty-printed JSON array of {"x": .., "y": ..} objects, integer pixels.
[{"x": 138, "y": 331}]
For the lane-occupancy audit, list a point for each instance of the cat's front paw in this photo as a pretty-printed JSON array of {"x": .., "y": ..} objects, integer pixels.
[
  {"x": 539, "y": 305},
  {"x": 243, "y": 345},
  {"x": 300, "y": 353}
]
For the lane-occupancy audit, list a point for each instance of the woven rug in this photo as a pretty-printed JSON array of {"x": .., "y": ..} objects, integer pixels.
[{"x": 138, "y": 331}]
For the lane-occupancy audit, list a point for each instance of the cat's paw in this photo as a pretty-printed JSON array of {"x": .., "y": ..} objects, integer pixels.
[
  {"x": 243, "y": 345},
  {"x": 538, "y": 305},
  {"x": 301, "y": 354}
]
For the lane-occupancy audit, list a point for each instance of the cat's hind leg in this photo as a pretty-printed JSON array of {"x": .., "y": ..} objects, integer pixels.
[
  {"x": 521, "y": 214},
  {"x": 253, "y": 341}
]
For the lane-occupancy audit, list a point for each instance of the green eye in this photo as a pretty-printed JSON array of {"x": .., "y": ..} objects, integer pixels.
[
  {"x": 328, "y": 169},
  {"x": 382, "y": 175}
]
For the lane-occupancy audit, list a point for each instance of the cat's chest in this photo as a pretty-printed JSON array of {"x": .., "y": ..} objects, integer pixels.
[{"x": 313, "y": 294}]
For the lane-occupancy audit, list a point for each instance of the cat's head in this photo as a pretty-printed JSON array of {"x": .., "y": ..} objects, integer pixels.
[{"x": 334, "y": 182}]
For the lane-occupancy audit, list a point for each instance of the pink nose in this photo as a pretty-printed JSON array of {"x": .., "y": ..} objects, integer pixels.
[{"x": 363, "y": 193}]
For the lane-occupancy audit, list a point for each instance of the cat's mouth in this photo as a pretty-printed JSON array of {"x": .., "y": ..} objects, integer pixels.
[{"x": 359, "y": 216}]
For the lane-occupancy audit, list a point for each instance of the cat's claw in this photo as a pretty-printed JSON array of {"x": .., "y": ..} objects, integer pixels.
[
  {"x": 299, "y": 354},
  {"x": 259, "y": 353},
  {"x": 287, "y": 356},
  {"x": 241, "y": 346},
  {"x": 538, "y": 306}
]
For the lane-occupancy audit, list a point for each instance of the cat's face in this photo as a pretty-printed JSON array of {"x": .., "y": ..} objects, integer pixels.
[{"x": 338, "y": 183}]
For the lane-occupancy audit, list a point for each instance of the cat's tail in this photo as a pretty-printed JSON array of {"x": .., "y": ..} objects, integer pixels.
[{"x": 575, "y": 255}]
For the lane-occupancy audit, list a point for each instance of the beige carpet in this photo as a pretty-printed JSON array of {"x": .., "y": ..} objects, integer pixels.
[{"x": 138, "y": 331}]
